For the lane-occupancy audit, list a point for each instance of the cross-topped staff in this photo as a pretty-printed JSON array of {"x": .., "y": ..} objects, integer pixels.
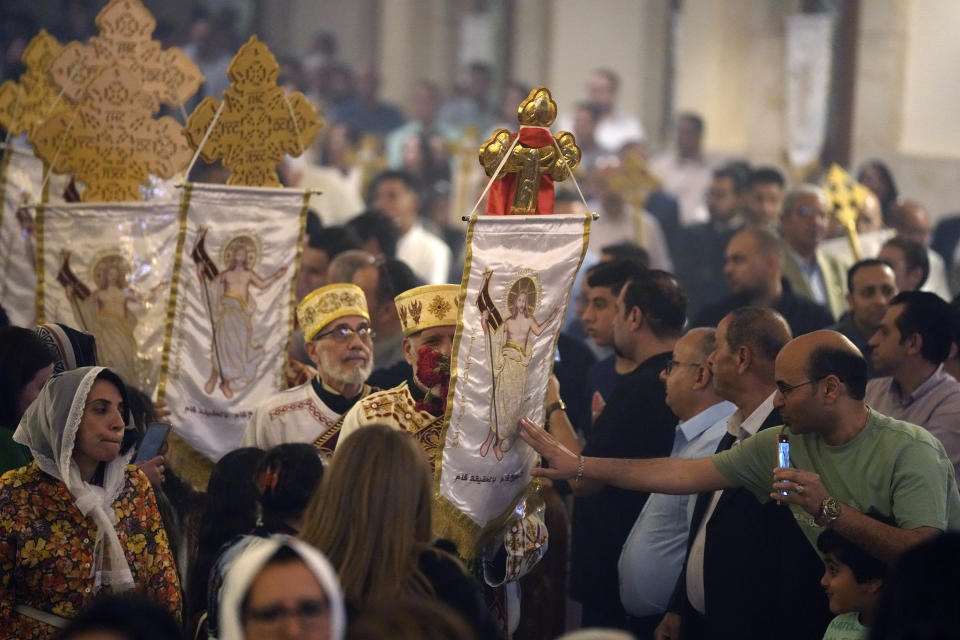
[
  {"x": 846, "y": 197},
  {"x": 525, "y": 165},
  {"x": 634, "y": 181}
]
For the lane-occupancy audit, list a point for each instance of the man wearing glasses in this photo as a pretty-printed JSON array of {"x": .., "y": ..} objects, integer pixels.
[
  {"x": 847, "y": 460},
  {"x": 339, "y": 341},
  {"x": 812, "y": 273}
]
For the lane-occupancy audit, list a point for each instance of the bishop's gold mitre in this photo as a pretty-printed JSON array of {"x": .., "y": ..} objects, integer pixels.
[{"x": 434, "y": 305}]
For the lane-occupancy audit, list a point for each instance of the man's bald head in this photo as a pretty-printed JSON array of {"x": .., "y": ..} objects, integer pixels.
[
  {"x": 702, "y": 341},
  {"x": 824, "y": 353},
  {"x": 911, "y": 220}
]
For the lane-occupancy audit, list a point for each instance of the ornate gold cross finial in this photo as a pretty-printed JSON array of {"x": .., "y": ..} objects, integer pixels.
[
  {"x": 166, "y": 76},
  {"x": 524, "y": 182},
  {"x": 846, "y": 197},
  {"x": 26, "y": 103},
  {"x": 258, "y": 123}
]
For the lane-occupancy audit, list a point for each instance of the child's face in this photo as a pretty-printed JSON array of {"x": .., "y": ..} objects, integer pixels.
[{"x": 843, "y": 591}]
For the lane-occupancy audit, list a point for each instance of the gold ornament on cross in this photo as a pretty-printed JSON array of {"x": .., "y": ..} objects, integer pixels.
[
  {"x": 634, "y": 182},
  {"x": 846, "y": 197},
  {"x": 526, "y": 164},
  {"x": 35, "y": 97},
  {"x": 111, "y": 143},
  {"x": 256, "y": 123}
]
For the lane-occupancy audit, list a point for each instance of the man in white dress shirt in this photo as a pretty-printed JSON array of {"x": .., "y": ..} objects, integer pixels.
[{"x": 395, "y": 193}]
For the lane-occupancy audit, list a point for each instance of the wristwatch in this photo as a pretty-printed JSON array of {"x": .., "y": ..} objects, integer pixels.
[
  {"x": 829, "y": 511},
  {"x": 553, "y": 406}
]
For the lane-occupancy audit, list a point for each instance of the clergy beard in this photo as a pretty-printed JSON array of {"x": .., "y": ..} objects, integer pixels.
[{"x": 334, "y": 370}]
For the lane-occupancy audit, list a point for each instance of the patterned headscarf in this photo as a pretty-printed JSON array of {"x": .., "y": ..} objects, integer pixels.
[
  {"x": 241, "y": 564},
  {"x": 70, "y": 348},
  {"x": 49, "y": 429}
]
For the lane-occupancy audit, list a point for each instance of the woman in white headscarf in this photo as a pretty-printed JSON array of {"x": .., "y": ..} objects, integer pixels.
[
  {"x": 278, "y": 588},
  {"x": 78, "y": 519}
]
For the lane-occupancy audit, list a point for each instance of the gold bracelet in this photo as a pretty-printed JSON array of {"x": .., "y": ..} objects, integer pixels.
[{"x": 577, "y": 478}]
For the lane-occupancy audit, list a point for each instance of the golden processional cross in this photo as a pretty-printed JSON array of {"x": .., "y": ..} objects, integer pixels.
[
  {"x": 256, "y": 124},
  {"x": 846, "y": 197},
  {"x": 526, "y": 164}
]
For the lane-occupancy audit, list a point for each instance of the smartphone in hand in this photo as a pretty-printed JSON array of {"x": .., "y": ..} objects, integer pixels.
[
  {"x": 152, "y": 441},
  {"x": 783, "y": 455}
]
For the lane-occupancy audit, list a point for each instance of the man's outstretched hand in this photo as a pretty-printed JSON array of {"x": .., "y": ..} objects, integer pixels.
[{"x": 562, "y": 461}]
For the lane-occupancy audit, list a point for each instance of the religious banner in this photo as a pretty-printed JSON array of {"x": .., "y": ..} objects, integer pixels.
[
  {"x": 516, "y": 286},
  {"x": 106, "y": 269},
  {"x": 21, "y": 175},
  {"x": 809, "y": 46},
  {"x": 231, "y": 310}
]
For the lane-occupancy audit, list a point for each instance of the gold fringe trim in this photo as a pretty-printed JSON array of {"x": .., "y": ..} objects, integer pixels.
[
  {"x": 38, "y": 223},
  {"x": 174, "y": 287},
  {"x": 448, "y": 521},
  {"x": 304, "y": 208},
  {"x": 191, "y": 465}
]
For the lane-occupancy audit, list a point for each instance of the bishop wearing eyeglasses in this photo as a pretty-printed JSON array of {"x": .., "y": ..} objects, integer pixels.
[{"x": 339, "y": 341}]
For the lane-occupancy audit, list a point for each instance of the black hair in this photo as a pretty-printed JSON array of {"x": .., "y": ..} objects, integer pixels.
[
  {"x": 760, "y": 328},
  {"x": 4, "y": 318},
  {"x": 378, "y": 225},
  {"x": 140, "y": 408},
  {"x": 736, "y": 173},
  {"x": 314, "y": 224},
  {"x": 335, "y": 240},
  {"x": 914, "y": 255},
  {"x": 610, "y": 75},
  {"x": 395, "y": 278},
  {"x": 864, "y": 566},
  {"x": 229, "y": 509},
  {"x": 405, "y": 177},
  {"x": 286, "y": 478},
  {"x": 659, "y": 296},
  {"x": 849, "y": 367},
  {"x": 766, "y": 175},
  {"x": 926, "y": 314},
  {"x": 920, "y": 594},
  {"x": 628, "y": 251},
  {"x": 693, "y": 119},
  {"x": 863, "y": 264},
  {"x": 613, "y": 274},
  {"x": 130, "y": 615},
  {"x": 886, "y": 176},
  {"x": 22, "y": 355}
]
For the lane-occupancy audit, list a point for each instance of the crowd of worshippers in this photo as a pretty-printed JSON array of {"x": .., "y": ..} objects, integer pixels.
[{"x": 299, "y": 534}]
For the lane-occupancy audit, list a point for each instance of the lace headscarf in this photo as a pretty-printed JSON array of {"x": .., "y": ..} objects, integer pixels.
[
  {"x": 49, "y": 429},
  {"x": 242, "y": 564}
]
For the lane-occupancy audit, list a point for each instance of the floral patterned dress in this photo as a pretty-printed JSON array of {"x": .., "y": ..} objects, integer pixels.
[{"x": 46, "y": 549}]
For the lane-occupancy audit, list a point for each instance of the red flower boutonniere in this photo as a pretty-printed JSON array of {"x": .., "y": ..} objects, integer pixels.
[{"x": 433, "y": 372}]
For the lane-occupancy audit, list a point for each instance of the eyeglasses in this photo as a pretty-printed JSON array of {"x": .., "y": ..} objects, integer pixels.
[
  {"x": 342, "y": 333},
  {"x": 309, "y": 613},
  {"x": 673, "y": 364},
  {"x": 785, "y": 388}
]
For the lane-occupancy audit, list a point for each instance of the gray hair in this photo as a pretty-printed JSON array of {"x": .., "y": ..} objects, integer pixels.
[{"x": 805, "y": 189}]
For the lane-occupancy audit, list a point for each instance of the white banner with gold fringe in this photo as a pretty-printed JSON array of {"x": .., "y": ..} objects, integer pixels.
[
  {"x": 232, "y": 309},
  {"x": 516, "y": 286},
  {"x": 21, "y": 177},
  {"x": 106, "y": 270}
]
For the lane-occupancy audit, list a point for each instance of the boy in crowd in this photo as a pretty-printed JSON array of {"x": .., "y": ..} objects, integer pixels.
[{"x": 853, "y": 581}]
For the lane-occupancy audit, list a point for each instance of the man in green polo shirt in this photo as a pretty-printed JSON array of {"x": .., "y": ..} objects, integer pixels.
[{"x": 847, "y": 460}]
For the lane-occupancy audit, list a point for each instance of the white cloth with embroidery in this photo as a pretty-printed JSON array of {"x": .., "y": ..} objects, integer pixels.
[
  {"x": 294, "y": 415},
  {"x": 499, "y": 374},
  {"x": 106, "y": 271},
  {"x": 809, "y": 47},
  {"x": 234, "y": 310},
  {"x": 21, "y": 176}
]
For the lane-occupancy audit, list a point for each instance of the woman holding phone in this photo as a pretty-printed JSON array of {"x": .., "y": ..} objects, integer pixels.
[{"x": 79, "y": 519}]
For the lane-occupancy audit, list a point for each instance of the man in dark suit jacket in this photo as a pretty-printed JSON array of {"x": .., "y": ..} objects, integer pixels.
[
  {"x": 752, "y": 270},
  {"x": 746, "y": 559}
]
